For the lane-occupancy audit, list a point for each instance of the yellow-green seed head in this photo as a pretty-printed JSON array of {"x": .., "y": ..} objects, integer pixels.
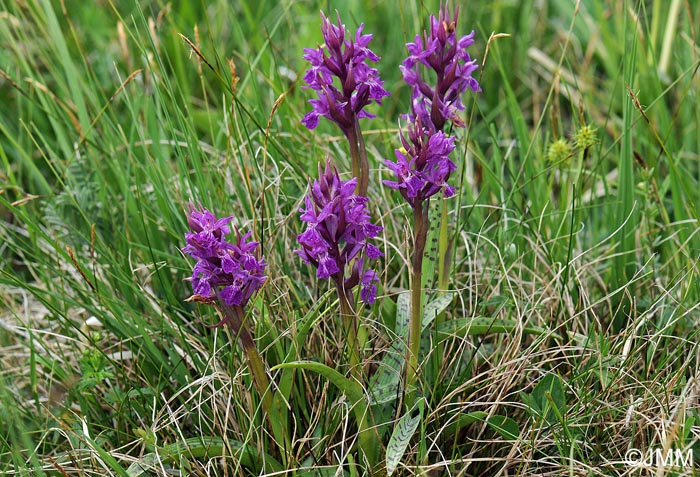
[
  {"x": 559, "y": 151},
  {"x": 585, "y": 137}
]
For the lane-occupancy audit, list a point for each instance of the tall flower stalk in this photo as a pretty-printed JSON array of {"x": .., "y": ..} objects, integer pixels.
[
  {"x": 337, "y": 243},
  {"x": 226, "y": 275},
  {"x": 345, "y": 84},
  {"x": 422, "y": 169},
  {"x": 422, "y": 166}
]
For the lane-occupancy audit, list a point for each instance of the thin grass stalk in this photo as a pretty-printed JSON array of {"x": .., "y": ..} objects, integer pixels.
[
  {"x": 670, "y": 34},
  {"x": 626, "y": 215}
]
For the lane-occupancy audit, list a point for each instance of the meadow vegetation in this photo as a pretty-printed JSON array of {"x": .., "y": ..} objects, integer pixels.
[{"x": 564, "y": 328}]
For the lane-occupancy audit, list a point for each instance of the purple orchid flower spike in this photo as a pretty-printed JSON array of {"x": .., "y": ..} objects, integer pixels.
[
  {"x": 226, "y": 275},
  {"x": 358, "y": 83},
  {"x": 422, "y": 166},
  {"x": 442, "y": 52},
  {"x": 345, "y": 84},
  {"x": 226, "y": 271},
  {"x": 338, "y": 233}
]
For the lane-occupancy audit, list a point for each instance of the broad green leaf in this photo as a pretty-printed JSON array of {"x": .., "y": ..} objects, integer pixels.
[
  {"x": 404, "y": 430},
  {"x": 688, "y": 426},
  {"x": 445, "y": 243},
  {"x": 199, "y": 447},
  {"x": 367, "y": 436},
  {"x": 430, "y": 315},
  {"x": 352, "y": 389},
  {"x": 388, "y": 314},
  {"x": 462, "y": 421},
  {"x": 430, "y": 255},
  {"x": 403, "y": 314},
  {"x": 548, "y": 394},
  {"x": 435, "y": 307},
  {"x": 386, "y": 381},
  {"x": 320, "y": 472},
  {"x": 505, "y": 426}
]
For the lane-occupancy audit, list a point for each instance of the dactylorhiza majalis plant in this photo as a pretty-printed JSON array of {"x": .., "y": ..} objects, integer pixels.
[
  {"x": 227, "y": 274},
  {"x": 337, "y": 243},
  {"x": 423, "y": 166},
  {"x": 345, "y": 84}
]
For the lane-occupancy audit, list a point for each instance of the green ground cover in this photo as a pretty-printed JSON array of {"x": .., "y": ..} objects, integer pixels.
[{"x": 569, "y": 335}]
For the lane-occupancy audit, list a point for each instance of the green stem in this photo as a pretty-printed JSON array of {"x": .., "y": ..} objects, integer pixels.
[
  {"x": 367, "y": 439},
  {"x": 255, "y": 361},
  {"x": 350, "y": 320},
  {"x": 444, "y": 260},
  {"x": 420, "y": 221},
  {"x": 364, "y": 162},
  {"x": 360, "y": 170},
  {"x": 358, "y": 153},
  {"x": 256, "y": 365}
]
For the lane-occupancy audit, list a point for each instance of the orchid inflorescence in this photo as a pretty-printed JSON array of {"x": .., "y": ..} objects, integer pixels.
[
  {"x": 345, "y": 84},
  {"x": 440, "y": 51},
  {"x": 423, "y": 166},
  {"x": 224, "y": 270},
  {"x": 358, "y": 83},
  {"x": 337, "y": 233}
]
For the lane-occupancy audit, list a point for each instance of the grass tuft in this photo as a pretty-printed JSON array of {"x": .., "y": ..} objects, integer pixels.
[{"x": 570, "y": 334}]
